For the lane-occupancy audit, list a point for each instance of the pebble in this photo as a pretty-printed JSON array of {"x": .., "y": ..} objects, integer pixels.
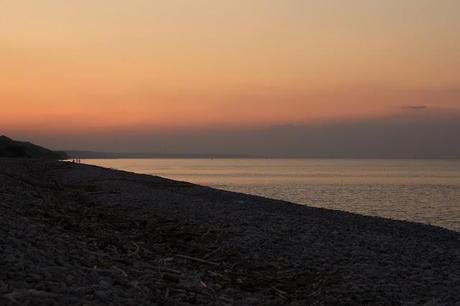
[{"x": 102, "y": 294}]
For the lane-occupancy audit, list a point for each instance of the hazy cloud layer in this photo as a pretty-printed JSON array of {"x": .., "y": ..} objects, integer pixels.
[{"x": 426, "y": 134}]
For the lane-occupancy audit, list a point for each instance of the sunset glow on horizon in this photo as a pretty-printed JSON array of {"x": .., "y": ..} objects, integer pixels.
[{"x": 96, "y": 65}]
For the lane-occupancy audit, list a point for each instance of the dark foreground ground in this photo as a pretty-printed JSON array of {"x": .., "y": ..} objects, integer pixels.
[{"x": 77, "y": 234}]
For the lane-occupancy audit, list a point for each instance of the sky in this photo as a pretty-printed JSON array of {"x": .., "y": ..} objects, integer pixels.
[{"x": 90, "y": 74}]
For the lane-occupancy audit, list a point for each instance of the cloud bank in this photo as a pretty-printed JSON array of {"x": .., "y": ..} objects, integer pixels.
[{"x": 410, "y": 134}]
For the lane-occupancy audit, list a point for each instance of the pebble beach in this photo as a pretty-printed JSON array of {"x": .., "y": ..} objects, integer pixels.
[{"x": 74, "y": 234}]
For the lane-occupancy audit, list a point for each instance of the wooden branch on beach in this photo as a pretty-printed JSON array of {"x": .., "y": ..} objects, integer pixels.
[{"x": 198, "y": 260}]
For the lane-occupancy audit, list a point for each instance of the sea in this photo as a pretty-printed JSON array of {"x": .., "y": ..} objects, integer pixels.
[{"x": 425, "y": 191}]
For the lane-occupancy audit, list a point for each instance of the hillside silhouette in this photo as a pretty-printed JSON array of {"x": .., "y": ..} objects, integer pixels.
[{"x": 17, "y": 149}]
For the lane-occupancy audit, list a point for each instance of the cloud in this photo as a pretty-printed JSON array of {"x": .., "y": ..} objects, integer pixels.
[
  {"x": 415, "y": 107},
  {"x": 432, "y": 133}
]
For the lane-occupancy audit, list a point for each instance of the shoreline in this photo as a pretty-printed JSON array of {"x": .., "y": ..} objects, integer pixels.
[
  {"x": 76, "y": 233},
  {"x": 416, "y": 191}
]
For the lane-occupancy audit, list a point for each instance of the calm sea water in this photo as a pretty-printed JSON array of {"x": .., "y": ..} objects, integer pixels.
[{"x": 426, "y": 191}]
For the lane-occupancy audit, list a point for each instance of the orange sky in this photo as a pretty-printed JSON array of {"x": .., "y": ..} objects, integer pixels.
[{"x": 96, "y": 65}]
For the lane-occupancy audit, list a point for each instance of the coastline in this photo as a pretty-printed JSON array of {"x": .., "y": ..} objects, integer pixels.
[{"x": 75, "y": 234}]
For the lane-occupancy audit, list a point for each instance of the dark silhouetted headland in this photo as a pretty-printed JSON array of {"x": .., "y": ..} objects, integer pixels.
[{"x": 17, "y": 149}]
